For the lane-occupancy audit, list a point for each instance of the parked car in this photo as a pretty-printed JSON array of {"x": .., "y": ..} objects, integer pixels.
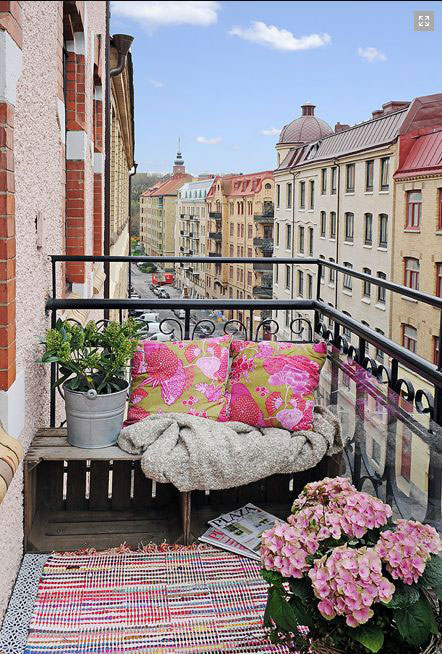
[
  {"x": 156, "y": 290},
  {"x": 180, "y": 313},
  {"x": 135, "y": 295},
  {"x": 163, "y": 293},
  {"x": 162, "y": 337},
  {"x": 148, "y": 316},
  {"x": 203, "y": 331},
  {"x": 149, "y": 329}
]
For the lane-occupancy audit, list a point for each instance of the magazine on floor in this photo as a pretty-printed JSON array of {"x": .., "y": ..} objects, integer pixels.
[
  {"x": 245, "y": 526},
  {"x": 218, "y": 538}
]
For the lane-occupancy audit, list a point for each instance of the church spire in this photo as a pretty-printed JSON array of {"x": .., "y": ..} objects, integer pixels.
[{"x": 179, "y": 161}]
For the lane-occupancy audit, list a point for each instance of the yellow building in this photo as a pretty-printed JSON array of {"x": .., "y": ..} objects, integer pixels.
[
  {"x": 158, "y": 212},
  {"x": 240, "y": 210}
]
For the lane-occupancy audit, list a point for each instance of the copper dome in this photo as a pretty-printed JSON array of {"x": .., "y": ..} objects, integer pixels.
[{"x": 306, "y": 128}]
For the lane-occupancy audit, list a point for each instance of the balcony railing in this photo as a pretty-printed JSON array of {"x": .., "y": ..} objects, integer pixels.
[
  {"x": 215, "y": 215},
  {"x": 216, "y": 236},
  {"x": 264, "y": 244},
  {"x": 265, "y": 219},
  {"x": 261, "y": 266},
  {"x": 263, "y": 291},
  {"x": 388, "y": 418}
]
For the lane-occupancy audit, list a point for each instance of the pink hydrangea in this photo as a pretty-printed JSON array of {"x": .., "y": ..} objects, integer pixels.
[
  {"x": 348, "y": 583},
  {"x": 407, "y": 549},
  {"x": 285, "y": 549}
]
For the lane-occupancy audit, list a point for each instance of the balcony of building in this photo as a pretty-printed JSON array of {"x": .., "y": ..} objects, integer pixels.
[
  {"x": 263, "y": 291},
  {"x": 260, "y": 266},
  {"x": 215, "y": 236},
  {"x": 263, "y": 244},
  {"x": 215, "y": 215},
  {"x": 267, "y": 218}
]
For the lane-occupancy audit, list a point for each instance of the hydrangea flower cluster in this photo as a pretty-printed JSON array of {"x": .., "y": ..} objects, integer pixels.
[
  {"x": 348, "y": 583},
  {"x": 285, "y": 548},
  {"x": 407, "y": 549}
]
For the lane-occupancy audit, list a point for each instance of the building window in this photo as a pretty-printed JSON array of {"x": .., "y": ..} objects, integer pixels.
[
  {"x": 436, "y": 350},
  {"x": 346, "y": 331},
  {"x": 409, "y": 338},
  {"x": 381, "y": 290},
  {"x": 334, "y": 180},
  {"x": 385, "y": 173},
  {"x": 383, "y": 230},
  {"x": 310, "y": 286},
  {"x": 312, "y": 194},
  {"x": 321, "y": 256},
  {"x": 333, "y": 224},
  {"x": 289, "y": 196},
  {"x": 276, "y": 275},
  {"x": 230, "y": 272},
  {"x": 379, "y": 353},
  {"x": 439, "y": 226},
  {"x": 288, "y": 237},
  {"x": 368, "y": 228},
  {"x": 249, "y": 253},
  {"x": 323, "y": 181},
  {"x": 249, "y": 279},
  {"x": 414, "y": 209},
  {"x": 366, "y": 286},
  {"x": 310, "y": 241},
  {"x": 301, "y": 240},
  {"x": 300, "y": 283},
  {"x": 332, "y": 272},
  {"x": 411, "y": 273},
  {"x": 249, "y": 231},
  {"x": 302, "y": 195},
  {"x": 323, "y": 223},
  {"x": 439, "y": 279},
  {"x": 349, "y": 226},
  {"x": 278, "y": 195},
  {"x": 231, "y": 250},
  {"x": 287, "y": 276},
  {"x": 277, "y": 234},
  {"x": 369, "y": 166},
  {"x": 347, "y": 280},
  {"x": 350, "y": 178}
]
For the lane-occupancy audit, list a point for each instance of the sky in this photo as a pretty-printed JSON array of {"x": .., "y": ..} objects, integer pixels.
[{"x": 225, "y": 77}]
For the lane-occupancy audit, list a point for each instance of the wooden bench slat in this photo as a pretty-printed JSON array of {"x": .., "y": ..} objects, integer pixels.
[
  {"x": 99, "y": 485},
  {"x": 121, "y": 483},
  {"x": 76, "y": 485}
]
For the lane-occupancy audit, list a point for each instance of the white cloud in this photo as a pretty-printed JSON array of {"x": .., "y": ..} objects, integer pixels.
[
  {"x": 371, "y": 55},
  {"x": 188, "y": 12},
  {"x": 205, "y": 141},
  {"x": 236, "y": 147},
  {"x": 273, "y": 131},
  {"x": 155, "y": 82},
  {"x": 279, "y": 39}
]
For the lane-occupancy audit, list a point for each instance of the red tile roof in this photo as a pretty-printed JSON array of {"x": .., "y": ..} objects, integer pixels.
[
  {"x": 169, "y": 187},
  {"x": 425, "y": 157},
  {"x": 239, "y": 185}
]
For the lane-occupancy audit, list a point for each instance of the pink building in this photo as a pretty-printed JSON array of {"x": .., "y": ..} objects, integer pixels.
[{"x": 52, "y": 75}]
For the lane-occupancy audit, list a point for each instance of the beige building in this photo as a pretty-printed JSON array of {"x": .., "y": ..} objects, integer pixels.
[
  {"x": 417, "y": 259},
  {"x": 122, "y": 162},
  {"x": 334, "y": 200},
  {"x": 240, "y": 209},
  {"x": 190, "y": 236},
  {"x": 158, "y": 212}
]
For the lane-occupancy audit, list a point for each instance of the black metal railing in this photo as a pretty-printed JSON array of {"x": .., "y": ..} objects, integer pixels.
[
  {"x": 216, "y": 236},
  {"x": 385, "y": 380}
]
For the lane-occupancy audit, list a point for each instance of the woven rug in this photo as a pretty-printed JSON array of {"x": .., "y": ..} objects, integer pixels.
[{"x": 168, "y": 599}]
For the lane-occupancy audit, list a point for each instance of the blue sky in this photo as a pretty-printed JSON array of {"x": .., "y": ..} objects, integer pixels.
[{"x": 219, "y": 74}]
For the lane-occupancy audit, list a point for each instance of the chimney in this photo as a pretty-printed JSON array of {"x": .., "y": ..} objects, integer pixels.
[
  {"x": 339, "y": 127},
  {"x": 308, "y": 109},
  {"x": 394, "y": 105},
  {"x": 378, "y": 113}
]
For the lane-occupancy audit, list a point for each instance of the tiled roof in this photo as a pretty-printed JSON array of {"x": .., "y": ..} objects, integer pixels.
[
  {"x": 169, "y": 187},
  {"x": 373, "y": 133},
  {"x": 425, "y": 157},
  {"x": 239, "y": 185}
]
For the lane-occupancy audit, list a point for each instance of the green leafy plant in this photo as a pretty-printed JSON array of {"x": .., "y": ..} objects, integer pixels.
[
  {"x": 92, "y": 357},
  {"x": 344, "y": 577}
]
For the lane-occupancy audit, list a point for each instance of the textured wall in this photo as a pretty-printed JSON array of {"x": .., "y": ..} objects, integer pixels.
[{"x": 40, "y": 178}]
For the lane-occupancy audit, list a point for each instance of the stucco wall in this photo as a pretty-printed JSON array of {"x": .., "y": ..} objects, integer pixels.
[{"x": 39, "y": 178}]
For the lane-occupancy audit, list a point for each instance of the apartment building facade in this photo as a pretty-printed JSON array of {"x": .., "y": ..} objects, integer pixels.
[
  {"x": 190, "y": 236},
  {"x": 158, "y": 212},
  {"x": 417, "y": 257},
  {"x": 336, "y": 200},
  {"x": 240, "y": 210}
]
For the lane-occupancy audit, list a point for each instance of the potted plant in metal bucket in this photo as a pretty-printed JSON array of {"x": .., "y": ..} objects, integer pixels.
[
  {"x": 345, "y": 578},
  {"x": 92, "y": 362}
]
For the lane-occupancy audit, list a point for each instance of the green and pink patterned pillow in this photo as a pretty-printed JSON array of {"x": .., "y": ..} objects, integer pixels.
[
  {"x": 179, "y": 377},
  {"x": 272, "y": 384}
]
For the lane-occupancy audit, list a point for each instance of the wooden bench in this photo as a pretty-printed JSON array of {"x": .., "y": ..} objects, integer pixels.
[{"x": 76, "y": 498}]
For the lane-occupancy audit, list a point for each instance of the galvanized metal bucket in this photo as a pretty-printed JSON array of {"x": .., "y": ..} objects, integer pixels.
[{"x": 93, "y": 420}]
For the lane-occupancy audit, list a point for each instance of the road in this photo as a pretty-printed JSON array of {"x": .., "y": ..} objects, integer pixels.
[{"x": 141, "y": 281}]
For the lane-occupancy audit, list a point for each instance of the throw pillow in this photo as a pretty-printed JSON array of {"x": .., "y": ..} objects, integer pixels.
[
  {"x": 272, "y": 384},
  {"x": 179, "y": 377}
]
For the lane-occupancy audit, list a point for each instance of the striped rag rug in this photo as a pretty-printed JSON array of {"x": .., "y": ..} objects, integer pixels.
[{"x": 164, "y": 599}]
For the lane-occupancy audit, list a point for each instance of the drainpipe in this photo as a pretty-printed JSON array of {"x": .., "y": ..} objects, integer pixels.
[
  {"x": 131, "y": 174},
  {"x": 122, "y": 42},
  {"x": 336, "y": 163},
  {"x": 295, "y": 175}
]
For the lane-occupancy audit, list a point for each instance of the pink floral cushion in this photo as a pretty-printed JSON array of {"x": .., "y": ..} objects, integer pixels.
[
  {"x": 179, "y": 377},
  {"x": 272, "y": 384}
]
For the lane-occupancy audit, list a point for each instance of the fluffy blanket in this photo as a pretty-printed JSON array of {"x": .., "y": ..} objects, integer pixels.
[{"x": 196, "y": 453}]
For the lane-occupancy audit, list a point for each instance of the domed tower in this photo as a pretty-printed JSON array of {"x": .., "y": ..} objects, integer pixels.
[
  {"x": 305, "y": 129},
  {"x": 179, "y": 162}
]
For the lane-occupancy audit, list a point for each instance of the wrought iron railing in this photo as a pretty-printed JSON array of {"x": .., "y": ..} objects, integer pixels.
[{"x": 386, "y": 381}]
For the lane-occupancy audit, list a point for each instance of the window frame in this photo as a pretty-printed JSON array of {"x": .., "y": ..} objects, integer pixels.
[
  {"x": 438, "y": 291},
  {"x": 334, "y": 180},
  {"x": 369, "y": 174},
  {"x": 383, "y": 243},
  {"x": 411, "y": 275},
  {"x": 288, "y": 237},
  {"x": 287, "y": 276},
  {"x": 413, "y": 224},
  {"x": 300, "y": 283},
  {"x": 368, "y": 221},
  {"x": 333, "y": 225},
  {"x": 278, "y": 196},
  {"x": 366, "y": 286},
  {"x": 349, "y": 238},
  {"x": 323, "y": 181},
  {"x": 323, "y": 223},
  {"x": 350, "y": 178},
  {"x": 381, "y": 298},
  {"x": 347, "y": 280},
  {"x": 289, "y": 195},
  {"x": 407, "y": 339},
  {"x": 384, "y": 165},
  {"x": 302, "y": 194},
  {"x": 311, "y": 194},
  {"x": 301, "y": 239}
]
